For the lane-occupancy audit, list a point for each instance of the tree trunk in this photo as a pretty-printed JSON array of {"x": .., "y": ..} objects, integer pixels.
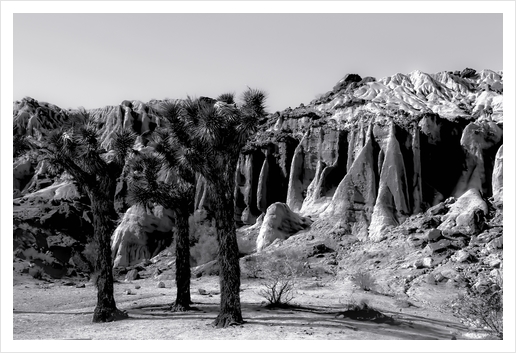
[
  {"x": 103, "y": 224},
  {"x": 182, "y": 302},
  {"x": 230, "y": 309}
]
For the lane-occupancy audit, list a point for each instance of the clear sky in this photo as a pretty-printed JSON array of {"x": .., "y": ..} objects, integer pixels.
[{"x": 93, "y": 60}]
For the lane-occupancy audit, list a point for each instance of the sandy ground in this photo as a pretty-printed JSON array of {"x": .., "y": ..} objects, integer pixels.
[{"x": 53, "y": 311}]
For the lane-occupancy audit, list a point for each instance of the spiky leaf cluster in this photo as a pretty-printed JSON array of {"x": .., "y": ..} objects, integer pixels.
[
  {"x": 77, "y": 150},
  {"x": 203, "y": 133},
  {"x": 146, "y": 188}
]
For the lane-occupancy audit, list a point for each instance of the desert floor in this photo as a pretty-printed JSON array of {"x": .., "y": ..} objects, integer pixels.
[{"x": 52, "y": 310}]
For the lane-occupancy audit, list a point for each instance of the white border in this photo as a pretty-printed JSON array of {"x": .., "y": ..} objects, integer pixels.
[{"x": 9, "y": 8}]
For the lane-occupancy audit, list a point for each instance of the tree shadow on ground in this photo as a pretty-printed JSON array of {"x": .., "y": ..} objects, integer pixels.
[
  {"x": 393, "y": 324},
  {"x": 53, "y": 312},
  {"x": 399, "y": 326}
]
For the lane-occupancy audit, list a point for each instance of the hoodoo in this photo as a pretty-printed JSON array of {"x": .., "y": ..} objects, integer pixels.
[{"x": 367, "y": 154}]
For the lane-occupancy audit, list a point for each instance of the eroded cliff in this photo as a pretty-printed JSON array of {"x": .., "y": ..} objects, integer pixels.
[{"x": 366, "y": 155}]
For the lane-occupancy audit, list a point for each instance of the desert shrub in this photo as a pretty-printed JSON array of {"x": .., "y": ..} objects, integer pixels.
[
  {"x": 36, "y": 273},
  {"x": 252, "y": 266},
  {"x": 361, "y": 304},
  {"x": 90, "y": 253},
  {"x": 203, "y": 241},
  {"x": 364, "y": 280},
  {"x": 280, "y": 272},
  {"x": 205, "y": 250},
  {"x": 482, "y": 309},
  {"x": 363, "y": 311}
]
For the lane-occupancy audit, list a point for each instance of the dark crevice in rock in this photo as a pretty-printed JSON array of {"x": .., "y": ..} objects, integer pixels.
[
  {"x": 333, "y": 175},
  {"x": 442, "y": 158}
]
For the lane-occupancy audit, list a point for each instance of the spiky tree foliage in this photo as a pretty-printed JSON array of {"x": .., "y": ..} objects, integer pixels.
[
  {"x": 146, "y": 189},
  {"x": 209, "y": 137},
  {"x": 76, "y": 149},
  {"x": 228, "y": 98}
]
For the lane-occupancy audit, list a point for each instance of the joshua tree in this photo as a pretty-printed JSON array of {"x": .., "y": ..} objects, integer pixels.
[
  {"x": 210, "y": 135},
  {"x": 77, "y": 150},
  {"x": 145, "y": 189}
]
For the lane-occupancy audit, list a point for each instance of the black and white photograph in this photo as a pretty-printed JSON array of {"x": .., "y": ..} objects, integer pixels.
[{"x": 292, "y": 176}]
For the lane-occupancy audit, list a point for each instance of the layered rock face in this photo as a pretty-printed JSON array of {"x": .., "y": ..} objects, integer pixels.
[
  {"x": 365, "y": 155},
  {"x": 373, "y": 152},
  {"x": 141, "y": 234}
]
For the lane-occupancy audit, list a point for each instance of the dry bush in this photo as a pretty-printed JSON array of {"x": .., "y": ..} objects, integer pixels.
[
  {"x": 280, "y": 272},
  {"x": 205, "y": 250},
  {"x": 90, "y": 253},
  {"x": 482, "y": 310},
  {"x": 364, "y": 280},
  {"x": 252, "y": 266}
]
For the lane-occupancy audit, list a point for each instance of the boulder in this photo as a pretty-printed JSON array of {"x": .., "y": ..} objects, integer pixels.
[
  {"x": 466, "y": 216},
  {"x": 432, "y": 234},
  {"x": 132, "y": 275},
  {"x": 430, "y": 279},
  {"x": 460, "y": 256},
  {"x": 319, "y": 249},
  {"x": 424, "y": 262},
  {"x": 450, "y": 273},
  {"x": 279, "y": 223},
  {"x": 440, "y": 246},
  {"x": 417, "y": 241},
  {"x": 495, "y": 244},
  {"x": 438, "y": 209}
]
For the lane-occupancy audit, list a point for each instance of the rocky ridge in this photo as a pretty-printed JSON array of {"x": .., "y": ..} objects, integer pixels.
[{"x": 366, "y": 157}]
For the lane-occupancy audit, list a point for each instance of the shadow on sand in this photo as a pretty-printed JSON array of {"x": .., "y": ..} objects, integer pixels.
[{"x": 392, "y": 324}]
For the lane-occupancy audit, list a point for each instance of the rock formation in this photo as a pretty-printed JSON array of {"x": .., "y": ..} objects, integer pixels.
[
  {"x": 353, "y": 202},
  {"x": 367, "y": 155},
  {"x": 141, "y": 234},
  {"x": 466, "y": 215},
  {"x": 279, "y": 223},
  {"x": 498, "y": 176}
]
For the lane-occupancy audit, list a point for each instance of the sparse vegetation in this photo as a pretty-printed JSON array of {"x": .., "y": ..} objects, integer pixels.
[
  {"x": 210, "y": 135},
  {"x": 482, "y": 309},
  {"x": 90, "y": 253},
  {"x": 364, "y": 280},
  {"x": 76, "y": 148},
  {"x": 363, "y": 311},
  {"x": 280, "y": 272},
  {"x": 146, "y": 189},
  {"x": 252, "y": 266},
  {"x": 203, "y": 240},
  {"x": 205, "y": 248}
]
